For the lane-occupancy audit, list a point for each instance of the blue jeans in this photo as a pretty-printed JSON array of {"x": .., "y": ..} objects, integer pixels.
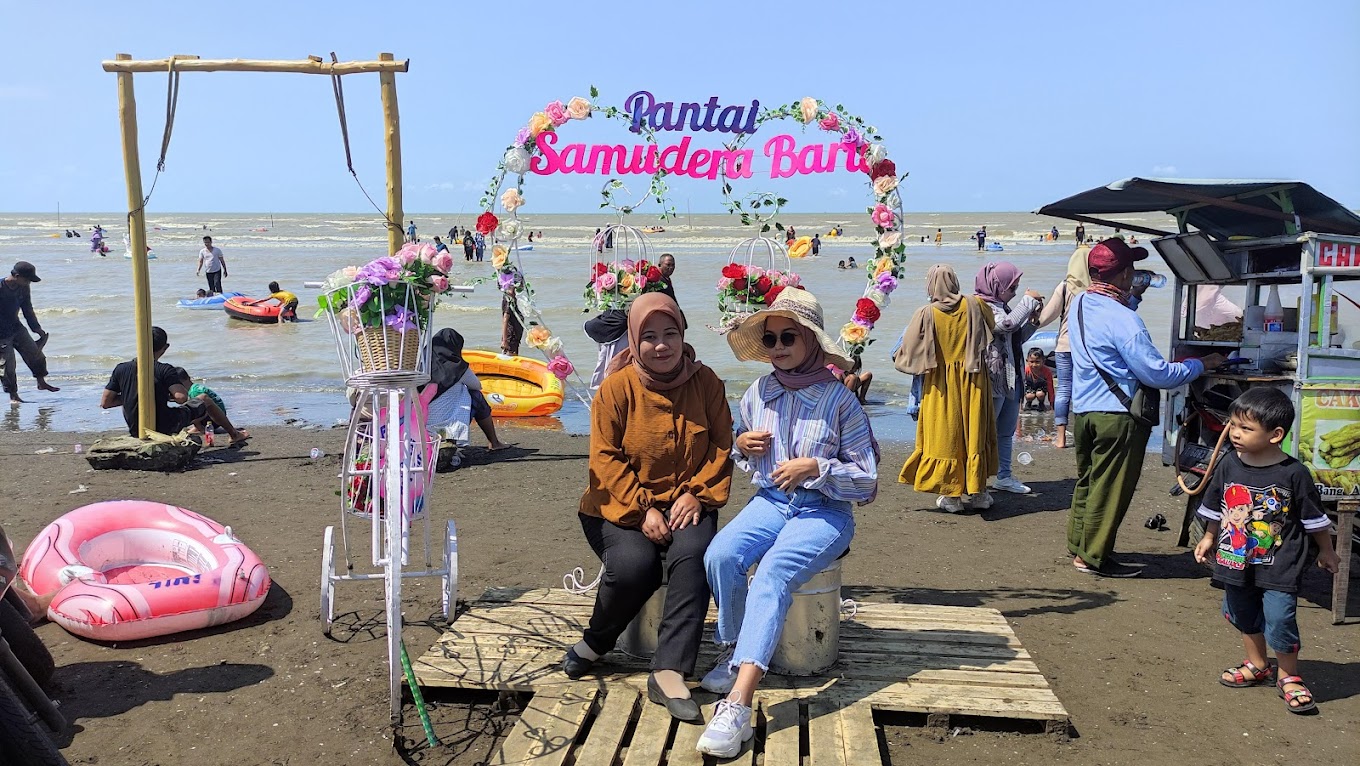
[
  {"x": 793, "y": 538},
  {"x": 1062, "y": 394},
  {"x": 1007, "y": 409},
  {"x": 1255, "y": 610}
]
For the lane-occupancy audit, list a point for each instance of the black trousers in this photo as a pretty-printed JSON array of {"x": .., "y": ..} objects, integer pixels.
[
  {"x": 33, "y": 356},
  {"x": 632, "y": 573},
  {"x": 215, "y": 282}
]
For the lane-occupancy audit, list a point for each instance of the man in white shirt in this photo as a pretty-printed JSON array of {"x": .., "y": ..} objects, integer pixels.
[{"x": 216, "y": 265}]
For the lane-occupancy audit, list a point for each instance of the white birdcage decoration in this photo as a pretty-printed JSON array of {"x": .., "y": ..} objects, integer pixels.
[
  {"x": 364, "y": 462},
  {"x": 622, "y": 255},
  {"x": 741, "y": 291},
  {"x": 382, "y": 334}
]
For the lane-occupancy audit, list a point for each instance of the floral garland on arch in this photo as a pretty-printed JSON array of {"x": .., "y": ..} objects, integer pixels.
[{"x": 864, "y": 143}]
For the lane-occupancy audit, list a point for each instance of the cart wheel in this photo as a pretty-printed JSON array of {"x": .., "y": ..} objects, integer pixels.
[
  {"x": 451, "y": 568},
  {"x": 328, "y": 580}
]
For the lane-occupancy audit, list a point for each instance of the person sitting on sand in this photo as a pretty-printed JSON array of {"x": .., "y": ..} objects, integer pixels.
[
  {"x": 449, "y": 371},
  {"x": 660, "y": 468},
  {"x": 121, "y": 391},
  {"x": 807, "y": 443},
  {"x": 858, "y": 381}
]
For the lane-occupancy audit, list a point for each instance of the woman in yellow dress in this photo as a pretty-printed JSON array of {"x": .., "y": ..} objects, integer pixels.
[{"x": 945, "y": 344}]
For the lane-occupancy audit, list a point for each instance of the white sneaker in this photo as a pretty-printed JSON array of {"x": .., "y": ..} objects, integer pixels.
[
  {"x": 1010, "y": 484},
  {"x": 979, "y": 502},
  {"x": 729, "y": 729},
  {"x": 721, "y": 678},
  {"x": 949, "y": 504}
]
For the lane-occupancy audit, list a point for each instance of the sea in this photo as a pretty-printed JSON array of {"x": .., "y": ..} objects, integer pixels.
[{"x": 290, "y": 375}]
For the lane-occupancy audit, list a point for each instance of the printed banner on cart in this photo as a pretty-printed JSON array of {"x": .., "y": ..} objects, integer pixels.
[{"x": 1329, "y": 437}]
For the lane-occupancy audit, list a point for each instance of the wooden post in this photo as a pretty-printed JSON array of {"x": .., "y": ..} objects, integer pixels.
[
  {"x": 1341, "y": 581},
  {"x": 141, "y": 275},
  {"x": 392, "y": 142}
]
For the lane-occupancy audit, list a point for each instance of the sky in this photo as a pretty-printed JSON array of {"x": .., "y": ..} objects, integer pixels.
[{"x": 989, "y": 106}]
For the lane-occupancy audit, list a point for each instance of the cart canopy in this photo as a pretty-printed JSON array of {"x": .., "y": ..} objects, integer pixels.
[{"x": 1219, "y": 208}]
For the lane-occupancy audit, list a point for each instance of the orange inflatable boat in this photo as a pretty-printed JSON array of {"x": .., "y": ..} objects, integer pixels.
[
  {"x": 515, "y": 386},
  {"x": 244, "y": 307}
]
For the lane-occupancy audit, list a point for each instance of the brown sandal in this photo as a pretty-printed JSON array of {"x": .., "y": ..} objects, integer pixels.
[{"x": 1253, "y": 677}]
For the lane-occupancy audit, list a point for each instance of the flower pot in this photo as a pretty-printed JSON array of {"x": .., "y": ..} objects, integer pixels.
[{"x": 382, "y": 349}]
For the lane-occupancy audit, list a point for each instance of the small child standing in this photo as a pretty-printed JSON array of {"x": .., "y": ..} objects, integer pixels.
[{"x": 1263, "y": 516}]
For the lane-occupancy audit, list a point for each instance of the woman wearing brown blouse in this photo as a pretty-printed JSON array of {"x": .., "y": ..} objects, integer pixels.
[{"x": 660, "y": 438}]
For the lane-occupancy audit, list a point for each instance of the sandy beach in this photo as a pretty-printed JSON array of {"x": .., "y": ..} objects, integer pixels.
[{"x": 1134, "y": 661}]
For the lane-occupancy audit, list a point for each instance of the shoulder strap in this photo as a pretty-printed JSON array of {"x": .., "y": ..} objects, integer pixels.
[{"x": 1124, "y": 399}]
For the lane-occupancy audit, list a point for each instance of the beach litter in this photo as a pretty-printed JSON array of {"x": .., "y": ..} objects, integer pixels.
[
  {"x": 46, "y": 451},
  {"x": 79, "y": 488}
]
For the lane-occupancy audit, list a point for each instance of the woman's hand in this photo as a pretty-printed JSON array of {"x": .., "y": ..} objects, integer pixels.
[
  {"x": 1035, "y": 294},
  {"x": 654, "y": 527},
  {"x": 685, "y": 511},
  {"x": 789, "y": 474},
  {"x": 754, "y": 442}
]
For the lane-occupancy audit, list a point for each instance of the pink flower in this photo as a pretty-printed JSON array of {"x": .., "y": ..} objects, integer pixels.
[
  {"x": 831, "y": 121},
  {"x": 557, "y": 113},
  {"x": 578, "y": 108},
  {"x": 428, "y": 253},
  {"x": 883, "y": 216},
  {"x": 755, "y": 272},
  {"x": 641, "y": 282},
  {"x": 791, "y": 280},
  {"x": 443, "y": 262},
  {"x": 724, "y": 283},
  {"x": 408, "y": 254},
  {"x": 561, "y": 367},
  {"x": 440, "y": 283},
  {"x": 606, "y": 281}
]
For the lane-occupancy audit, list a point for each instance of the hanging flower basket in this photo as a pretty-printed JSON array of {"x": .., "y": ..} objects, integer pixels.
[
  {"x": 622, "y": 270},
  {"x": 380, "y": 315},
  {"x": 746, "y": 286}
]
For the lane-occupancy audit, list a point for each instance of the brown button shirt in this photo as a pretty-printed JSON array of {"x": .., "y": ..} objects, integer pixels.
[{"x": 647, "y": 448}]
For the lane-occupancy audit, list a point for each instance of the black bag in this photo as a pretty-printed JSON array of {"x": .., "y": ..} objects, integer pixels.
[{"x": 1145, "y": 406}]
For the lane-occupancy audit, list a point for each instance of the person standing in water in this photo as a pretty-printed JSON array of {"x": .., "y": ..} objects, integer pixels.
[
  {"x": 15, "y": 297},
  {"x": 411, "y": 231},
  {"x": 981, "y": 238},
  {"x": 212, "y": 262}
]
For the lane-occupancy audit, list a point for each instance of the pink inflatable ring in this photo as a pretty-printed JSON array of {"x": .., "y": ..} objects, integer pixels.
[{"x": 129, "y": 569}]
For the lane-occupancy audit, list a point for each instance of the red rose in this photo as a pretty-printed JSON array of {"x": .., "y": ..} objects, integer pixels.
[
  {"x": 653, "y": 274},
  {"x": 600, "y": 268},
  {"x": 867, "y": 310},
  {"x": 734, "y": 271},
  {"x": 763, "y": 286},
  {"x": 883, "y": 168},
  {"x": 772, "y": 294},
  {"x": 738, "y": 284},
  {"x": 487, "y": 223}
]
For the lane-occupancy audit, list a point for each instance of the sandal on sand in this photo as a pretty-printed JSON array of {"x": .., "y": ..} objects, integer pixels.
[
  {"x": 241, "y": 440},
  {"x": 1290, "y": 697},
  {"x": 1253, "y": 676}
]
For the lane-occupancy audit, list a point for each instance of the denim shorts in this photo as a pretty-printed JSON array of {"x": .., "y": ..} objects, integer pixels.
[{"x": 1255, "y": 610}]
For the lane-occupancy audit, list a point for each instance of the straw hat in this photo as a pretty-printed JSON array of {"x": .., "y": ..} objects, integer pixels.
[{"x": 796, "y": 304}]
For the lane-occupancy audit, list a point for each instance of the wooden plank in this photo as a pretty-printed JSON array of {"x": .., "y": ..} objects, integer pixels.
[
  {"x": 309, "y": 66},
  {"x": 826, "y": 744},
  {"x": 547, "y": 728},
  {"x": 865, "y": 665},
  {"x": 909, "y": 700},
  {"x": 605, "y": 740},
  {"x": 649, "y": 738},
  {"x": 683, "y": 752},
  {"x": 781, "y": 729},
  {"x": 859, "y": 734}
]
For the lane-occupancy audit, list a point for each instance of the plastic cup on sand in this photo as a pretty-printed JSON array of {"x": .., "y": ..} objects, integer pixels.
[{"x": 1024, "y": 458}]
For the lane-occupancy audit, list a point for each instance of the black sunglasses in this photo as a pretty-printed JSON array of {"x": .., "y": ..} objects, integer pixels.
[{"x": 787, "y": 338}]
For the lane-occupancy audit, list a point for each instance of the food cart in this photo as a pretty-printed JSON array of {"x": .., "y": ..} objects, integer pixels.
[{"x": 1255, "y": 238}]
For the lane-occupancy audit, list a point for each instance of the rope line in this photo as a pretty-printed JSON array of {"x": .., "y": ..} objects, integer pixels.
[
  {"x": 171, "y": 104},
  {"x": 339, "y": 90}
]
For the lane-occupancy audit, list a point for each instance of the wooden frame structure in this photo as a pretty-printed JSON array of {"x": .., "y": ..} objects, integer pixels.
[{"x": 125, "y": 67}]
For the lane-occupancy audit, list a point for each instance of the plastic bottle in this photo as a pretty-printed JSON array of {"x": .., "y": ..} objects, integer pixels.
[
  {"x": 80, "y": 448},
  {"x": 1143, "y": 278},
  {"x": 317, "y": 454},
  {"x": 1024, "y": 458},
  {"x": 208, "y": 438},
  {"x": 1273, "y": 321}
]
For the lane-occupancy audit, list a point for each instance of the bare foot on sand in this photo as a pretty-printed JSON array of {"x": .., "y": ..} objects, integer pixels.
[
  {"x": 45, "y": 386},
  {"x": 14, "y": 400},
  {"x": 498, "y": 446}
]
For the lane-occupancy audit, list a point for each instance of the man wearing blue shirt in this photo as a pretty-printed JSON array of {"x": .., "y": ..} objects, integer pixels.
[{"x": 1106, "y": 335}]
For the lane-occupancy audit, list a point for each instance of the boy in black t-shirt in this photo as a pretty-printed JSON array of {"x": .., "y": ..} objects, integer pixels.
[{"x": 1260, "y": 511}]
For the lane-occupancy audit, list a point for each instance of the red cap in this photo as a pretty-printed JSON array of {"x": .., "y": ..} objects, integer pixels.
[{"x": 1113, "y": 255}]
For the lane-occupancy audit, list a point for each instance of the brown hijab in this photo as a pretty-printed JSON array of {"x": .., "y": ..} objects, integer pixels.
[
  {"x": 917, "y": 353},
  {"x": 643, "y": 307}
]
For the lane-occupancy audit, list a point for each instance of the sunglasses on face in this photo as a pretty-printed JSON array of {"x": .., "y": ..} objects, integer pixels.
[{"x": 786, "y": 338}]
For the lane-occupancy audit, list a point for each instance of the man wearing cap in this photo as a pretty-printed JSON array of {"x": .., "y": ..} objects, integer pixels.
[
  {"x": 1107, "y": 336},
  {"x": 15, "y": 296}
]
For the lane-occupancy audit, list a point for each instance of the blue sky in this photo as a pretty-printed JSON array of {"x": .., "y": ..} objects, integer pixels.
[{"x": 989, "y": 105}]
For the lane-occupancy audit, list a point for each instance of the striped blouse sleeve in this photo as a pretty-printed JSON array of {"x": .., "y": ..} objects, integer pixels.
[{"x": 852, "y": 474}]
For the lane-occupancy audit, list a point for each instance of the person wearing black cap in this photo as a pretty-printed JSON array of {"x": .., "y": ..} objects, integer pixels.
[
  {"x": 1112, "y": 357},
  {"x": 15, "y": 296}
]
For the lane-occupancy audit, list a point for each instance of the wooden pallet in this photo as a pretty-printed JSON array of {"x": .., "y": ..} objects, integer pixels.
[{"x": 917, "y": 658}]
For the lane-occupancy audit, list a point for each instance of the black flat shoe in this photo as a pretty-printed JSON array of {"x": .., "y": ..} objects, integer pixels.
[
  {"x": 574, "y": 665},
  {"x": 685, "y": 709}
]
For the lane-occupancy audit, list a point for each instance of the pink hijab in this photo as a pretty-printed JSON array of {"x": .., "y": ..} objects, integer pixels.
[{"x": 995, "y": 279}]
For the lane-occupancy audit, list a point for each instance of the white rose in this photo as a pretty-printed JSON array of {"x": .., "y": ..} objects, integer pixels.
[
  {"x": 510, "y": 229},
  {"x": 874, "y": 154},
  {"x": 890, "y": 239},
  {"x": 516, "y": 160}
]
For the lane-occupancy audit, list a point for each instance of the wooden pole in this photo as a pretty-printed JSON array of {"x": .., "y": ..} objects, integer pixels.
[
  {"x": 392, "y": 142},
  {"x": 141, "y": 275},
  {"x": 309, "y": 66}
]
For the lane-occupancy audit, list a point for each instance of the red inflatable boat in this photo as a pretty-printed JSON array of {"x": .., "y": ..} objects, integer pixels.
[{"x": 244, "y": 307}]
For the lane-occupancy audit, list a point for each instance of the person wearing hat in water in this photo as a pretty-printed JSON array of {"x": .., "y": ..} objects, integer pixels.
[
  {"x": 1112, "y": 356},
  {"x": 15, "y": 297},
  {"x": 807, "y": 444}
]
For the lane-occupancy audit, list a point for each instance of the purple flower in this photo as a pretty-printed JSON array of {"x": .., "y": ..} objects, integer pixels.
[
  {"x": 887, "y": 282},
  {"x": 400, "y": 319},
  {"x": 506, "y": 279},
  {"x": 522, "y": 137},
  {"x": 362, "y": 294},
  {"x": 861, "y": 321},
  {"x": 852, "y": 138}
]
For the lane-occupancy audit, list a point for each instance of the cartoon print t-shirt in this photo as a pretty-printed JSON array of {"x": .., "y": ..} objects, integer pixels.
[{"x": 1264, "y": 515}]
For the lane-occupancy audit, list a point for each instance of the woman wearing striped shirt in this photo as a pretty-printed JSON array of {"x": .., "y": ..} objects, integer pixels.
[{"x": 806, "y": 442}]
